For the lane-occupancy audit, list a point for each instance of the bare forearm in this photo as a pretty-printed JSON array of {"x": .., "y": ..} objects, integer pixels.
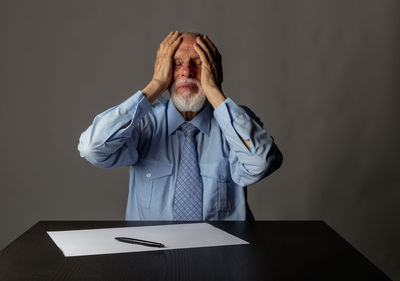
[
  {"x": 245, "y": 142},
  {"x": 152, "y": 91},
  {"x": 215, "y": 97}
]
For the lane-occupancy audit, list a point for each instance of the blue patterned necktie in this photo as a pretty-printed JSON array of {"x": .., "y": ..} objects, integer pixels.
[{"x": 188, "y": 201}]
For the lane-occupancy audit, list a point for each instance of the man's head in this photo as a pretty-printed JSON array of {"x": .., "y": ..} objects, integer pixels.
[{"x": 186, "y": 91}]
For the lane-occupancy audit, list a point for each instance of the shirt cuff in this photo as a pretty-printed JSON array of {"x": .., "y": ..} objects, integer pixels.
[
  {"x": 226, "y": 112},
  {"x": 135, "y": 107},
  {"x": 233, "y": 122}
]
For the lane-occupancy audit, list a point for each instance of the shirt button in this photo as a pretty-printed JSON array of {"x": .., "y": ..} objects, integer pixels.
[{"x": 148, "y": 175}]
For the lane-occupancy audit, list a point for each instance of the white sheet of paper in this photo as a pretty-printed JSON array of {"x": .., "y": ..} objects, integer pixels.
[{"x": 173, "y": 236}]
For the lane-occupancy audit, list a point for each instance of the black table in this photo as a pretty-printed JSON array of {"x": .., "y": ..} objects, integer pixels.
[{"x": 279, "y": 250}]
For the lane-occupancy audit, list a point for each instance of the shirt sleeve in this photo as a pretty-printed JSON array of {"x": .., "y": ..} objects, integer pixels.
[
  {"x": 247, "y": 165},
  {"x": 107, "y": 143}
]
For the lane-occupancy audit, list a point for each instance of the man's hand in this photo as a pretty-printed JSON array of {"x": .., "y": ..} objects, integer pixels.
[
  {"x": 163, "y": 67},
  {"x": 211, "y": 70},
  {"x": 211, "y": 74}
]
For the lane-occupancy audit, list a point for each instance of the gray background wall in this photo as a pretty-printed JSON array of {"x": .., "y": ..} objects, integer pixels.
[{"x": 322, "y": 75}]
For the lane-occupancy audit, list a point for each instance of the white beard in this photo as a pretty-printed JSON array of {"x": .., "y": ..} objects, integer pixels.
[{"x": 187, "y": 101}]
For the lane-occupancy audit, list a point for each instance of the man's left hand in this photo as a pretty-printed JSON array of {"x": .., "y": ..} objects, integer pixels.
[{"x": 211, "y": 72}]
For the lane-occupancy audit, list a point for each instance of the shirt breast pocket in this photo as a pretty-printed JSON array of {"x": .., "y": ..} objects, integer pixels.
[
  {"x": 216, "y": 178},
  {"x": 153, "y": 186}
]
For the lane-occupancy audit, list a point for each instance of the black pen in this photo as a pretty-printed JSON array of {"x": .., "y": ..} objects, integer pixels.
[{"x": 139, "y": 242}]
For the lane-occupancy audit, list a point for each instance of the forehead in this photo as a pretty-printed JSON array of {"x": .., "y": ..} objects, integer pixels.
[{"x": 186, "y": 49}]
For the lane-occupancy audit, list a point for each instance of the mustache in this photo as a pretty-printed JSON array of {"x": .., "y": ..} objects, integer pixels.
[{"x": 186, "y": 80}]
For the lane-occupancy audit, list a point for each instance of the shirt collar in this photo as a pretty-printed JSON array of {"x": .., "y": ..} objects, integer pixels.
[{"x": 202, "y": 120}]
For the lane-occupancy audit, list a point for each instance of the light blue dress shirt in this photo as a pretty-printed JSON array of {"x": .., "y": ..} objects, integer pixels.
[{"x": 151, "y": 146}]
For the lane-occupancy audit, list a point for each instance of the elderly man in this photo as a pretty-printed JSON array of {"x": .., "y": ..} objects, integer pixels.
[{"x": 190, "y": 157}]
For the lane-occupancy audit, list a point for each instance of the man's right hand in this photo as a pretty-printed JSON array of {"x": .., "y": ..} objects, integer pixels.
[{"x": 163, "y": 67}]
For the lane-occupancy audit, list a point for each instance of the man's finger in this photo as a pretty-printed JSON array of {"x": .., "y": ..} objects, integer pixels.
[
  {"x": 210, "y": 62},
  {"x": 201, "y": 53},
  {"x": 175, "y": 44},
  {"x": 217, "y": 57},
  {"x": 173, "y": 37},
  {"x": 204, "y": 48},
  {"x": 166, "y": 38},
  {"x": 211, "y": 45}
]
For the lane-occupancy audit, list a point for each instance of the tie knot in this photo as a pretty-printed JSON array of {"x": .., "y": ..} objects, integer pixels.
[{"x": 189, "y": 129}]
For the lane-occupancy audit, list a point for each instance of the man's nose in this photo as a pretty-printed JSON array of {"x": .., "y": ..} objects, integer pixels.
[{"x": 187, "y": 70}]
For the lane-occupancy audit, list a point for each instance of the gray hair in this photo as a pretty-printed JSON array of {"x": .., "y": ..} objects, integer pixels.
[{"x": 194, "y": 33}]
